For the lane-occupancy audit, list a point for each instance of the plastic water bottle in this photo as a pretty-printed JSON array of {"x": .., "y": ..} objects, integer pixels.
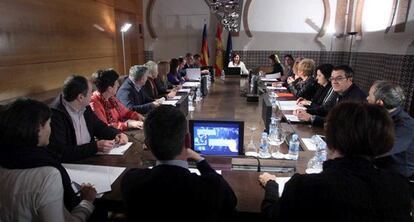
[
  {"x": 208, "y": 82},
  {"x": 223, "y": 75},
  {"x": 316, "y": 162},
  {"x": 294, "y": 147},
  {"x": 198, "y": 95},
  {"x": 264, "y": 146}
]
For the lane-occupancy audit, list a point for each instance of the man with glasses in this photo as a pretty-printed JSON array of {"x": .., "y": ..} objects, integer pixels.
[{"x": 345, "y": 90}]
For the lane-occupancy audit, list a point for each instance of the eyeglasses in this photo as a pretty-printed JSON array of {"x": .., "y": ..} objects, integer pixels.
[{"x": 338, "y": 79}]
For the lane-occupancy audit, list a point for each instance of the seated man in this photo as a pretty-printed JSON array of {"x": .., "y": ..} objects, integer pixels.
[
  {"x": 401, "y": 157},
  {"x": 130, "y": 93},
  {"x": 169, "y": 191},
  {"x": 75, "y": 126},
  {"x": 345, "y": 90}
]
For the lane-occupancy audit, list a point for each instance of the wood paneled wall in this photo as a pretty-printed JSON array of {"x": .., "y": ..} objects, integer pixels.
[{"x": 42, "y": 41}]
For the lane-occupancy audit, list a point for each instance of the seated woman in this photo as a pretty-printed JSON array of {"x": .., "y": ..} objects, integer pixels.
[
  {"x": 163, "y": 85},
  {"x": 308, "y": 86},
  {"x": 107, "y": 107},
  {"x": 276, "y": 67},
  {"x": 235, "y": 62},
  {"x": 324, "y": 93},
  {"x": 350, "y": 188},
  {"x": 34, "y": 185},
  {"x": 173, "y": 76},
  {"x": 151, "y": 86}
]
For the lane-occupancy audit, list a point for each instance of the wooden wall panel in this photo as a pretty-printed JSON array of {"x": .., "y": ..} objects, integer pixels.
[{"x": 42, "y": 42}]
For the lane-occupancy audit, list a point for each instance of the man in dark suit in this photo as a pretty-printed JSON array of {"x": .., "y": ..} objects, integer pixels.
[
  {"x": 75, "y": 126},
  {"x": 401, "y": 157},
  {"x": 345, "y": 90},
  {"x": 131, "y": 94},
  {"x": 169, "y": 191}
]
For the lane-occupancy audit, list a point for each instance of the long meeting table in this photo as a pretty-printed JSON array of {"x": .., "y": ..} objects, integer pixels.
[{"x": 222, "y": 102}]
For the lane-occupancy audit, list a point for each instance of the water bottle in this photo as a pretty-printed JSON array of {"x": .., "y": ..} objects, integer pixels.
[
  {"x": 273, "y": 99},
  {"x": 223, "y": 75},
  {"x": 272, "y": 125},
  {"x": 198, "y": 95},
  {"x": 264, "y": 146},
  {"x": 208, "y": 82},
  {"x": 316, "y": 162},
  {"x": 294, "y": 147}
]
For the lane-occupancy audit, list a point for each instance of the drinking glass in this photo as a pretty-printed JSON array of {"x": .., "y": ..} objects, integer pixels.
[{"x": 251, "y": 149}]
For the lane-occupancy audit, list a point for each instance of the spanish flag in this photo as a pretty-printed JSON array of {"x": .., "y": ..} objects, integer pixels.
[
  {"x": 219, "y": 52},
  {"x": 204, "y": 48}
]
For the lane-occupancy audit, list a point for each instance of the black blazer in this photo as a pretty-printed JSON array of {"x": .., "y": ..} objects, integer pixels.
[
  {"x": 63, "y": 137},
  {"x": 172, "y": 193},
  {"x": 306, "y": 89},
  {"x": 134, "y": 100},
  {"x": 349, "y": 189}
]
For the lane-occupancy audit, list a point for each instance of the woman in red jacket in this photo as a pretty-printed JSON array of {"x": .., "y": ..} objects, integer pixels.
[{"x": 107, "y": 107}]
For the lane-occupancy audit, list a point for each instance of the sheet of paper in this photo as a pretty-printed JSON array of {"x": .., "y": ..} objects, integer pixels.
[
  {"x": 193, "y": 170},
  {"x": 176, "y": 98},
  {"x": 118, "y": 150},
  {"x": 309, "y": 144},
  {"x": 273, "y": 75},
  {"x": 282, "y": 181},
  {"x": 191, "y": 84},
  {"x": 269, "y": 80},
  {"x": 292, "y": 118},
  {"x": 184, "y": 90},
  {"x": 276, "y": 88},
  {"x": 170, "y": 102},
  {"x": 101, "y": 177},
  {"x": 289, "y": 105}
]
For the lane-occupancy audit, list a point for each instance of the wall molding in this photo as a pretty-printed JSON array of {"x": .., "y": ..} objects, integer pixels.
[
  {"x": 246, "y": 18},
  {"x": 148, "y": 19}
]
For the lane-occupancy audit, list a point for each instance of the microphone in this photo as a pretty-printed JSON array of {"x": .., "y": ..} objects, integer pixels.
[{"x": 259, "y": 166}]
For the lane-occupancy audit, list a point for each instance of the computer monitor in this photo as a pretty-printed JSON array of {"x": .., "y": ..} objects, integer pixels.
[
  {"x": 232, "y": 71},
  {"x": 217, "y": 137},
  {"x": 266, "y": 111}
]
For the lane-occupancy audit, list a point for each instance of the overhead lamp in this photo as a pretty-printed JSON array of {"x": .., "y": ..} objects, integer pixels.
[{"x": 124, "y": 29}]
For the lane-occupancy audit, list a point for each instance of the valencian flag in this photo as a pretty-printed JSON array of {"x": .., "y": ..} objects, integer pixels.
[
  {"x": 204, "y": 48},
  {"x": 229, "y": 50},
  {"x": 219, "y": 52}
]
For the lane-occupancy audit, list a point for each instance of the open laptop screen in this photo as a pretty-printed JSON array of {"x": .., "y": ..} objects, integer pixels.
[{"x": 214, "y": 137}]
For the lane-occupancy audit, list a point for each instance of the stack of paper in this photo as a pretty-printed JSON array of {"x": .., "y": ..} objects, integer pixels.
[
  {"x": 170, "y": 102},
  {"x": 176, "y": 98},
  {"x": 191, "y": 84},
  {"x": 118, "y": 150},
  {"x": 289, "y": 105},
  {"x": 310, "y": 145},
  {"x": 101, "y": 177},
  {"x": 184, "y": 90},
  {"x": 292, "y": 118}
]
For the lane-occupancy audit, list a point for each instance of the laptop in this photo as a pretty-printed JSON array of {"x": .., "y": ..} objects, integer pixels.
[
  {"x": 193, "y": 73},
  {"x": 231, "y": 71}
]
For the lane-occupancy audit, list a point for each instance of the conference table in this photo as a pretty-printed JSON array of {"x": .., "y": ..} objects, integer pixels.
[{"x": 225, "y": 103}]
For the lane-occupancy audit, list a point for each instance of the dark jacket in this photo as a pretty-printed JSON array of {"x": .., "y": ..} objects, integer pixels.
[
  {"x": 277, "y": 68},
  {"x": 172, "y": 193},
  {"x": 354, "y": 93},
  {"x": 319, "y": 98},
  {"x": 349, "y": 189},
  {"x": 63, "y": 137},
  {"x": 132, "y": 99},
  {"x": 151, "y": 90},
  {"x": 401, "y": 157},
  {"x": 307, "y": 88}
]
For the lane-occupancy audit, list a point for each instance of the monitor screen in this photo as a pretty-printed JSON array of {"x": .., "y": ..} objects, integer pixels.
[
  {"x": 232, "y": 70},
  {"x": 213, "y": 137},
  {"x": 193, "y": 73}
]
